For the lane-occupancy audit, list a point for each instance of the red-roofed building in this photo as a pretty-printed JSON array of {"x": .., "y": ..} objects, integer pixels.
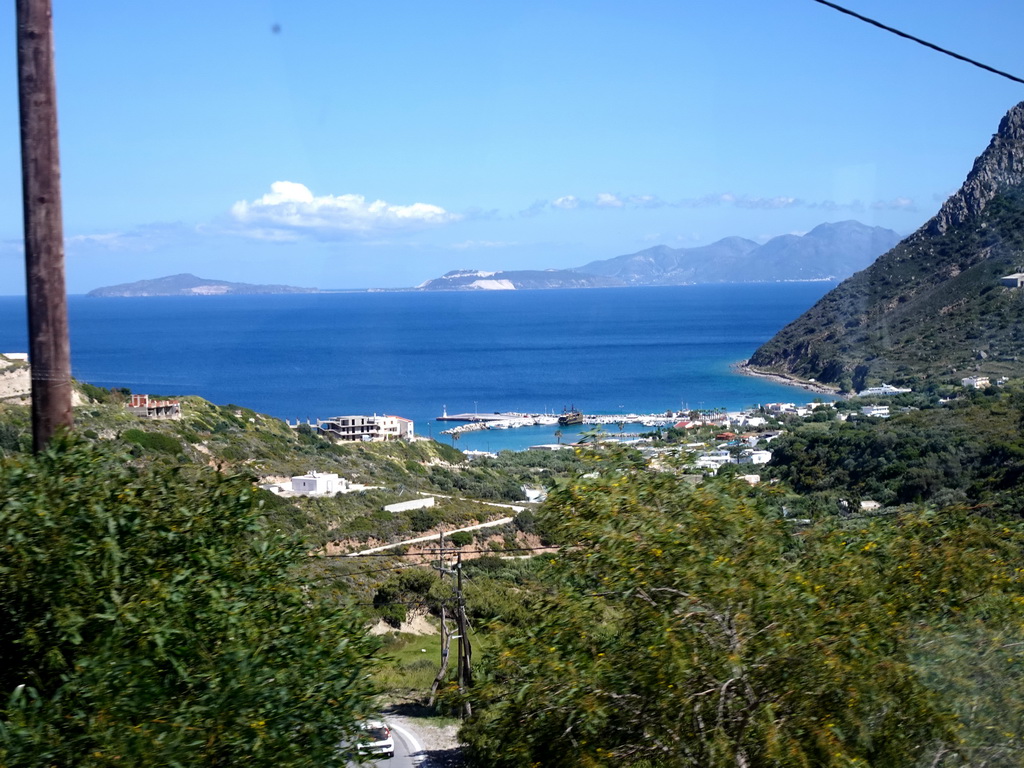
[{"x": 144, "y": 408}]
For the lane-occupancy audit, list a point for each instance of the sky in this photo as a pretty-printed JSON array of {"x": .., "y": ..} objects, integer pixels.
[{"x": 377, "y": 145}]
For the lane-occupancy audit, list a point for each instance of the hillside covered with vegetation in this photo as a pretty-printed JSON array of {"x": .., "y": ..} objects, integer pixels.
[{"x": 862, "y": 604}]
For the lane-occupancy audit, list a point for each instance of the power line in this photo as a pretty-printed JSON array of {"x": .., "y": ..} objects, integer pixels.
[{"x": 918, "y": 40}]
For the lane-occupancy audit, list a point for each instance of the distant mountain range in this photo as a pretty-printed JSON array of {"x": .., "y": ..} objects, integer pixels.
[
  {"x": 190, "y": 285},
  {"x": 936, "y": 304},
  {"x": 827, "y": 252}
]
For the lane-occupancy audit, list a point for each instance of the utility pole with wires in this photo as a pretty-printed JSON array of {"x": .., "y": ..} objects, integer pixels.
[
  {"x": 49, "y": 348},
  {"x": 464, "y": 653},
  {"x": 446, "y": 635},
  {"x": 465, "y": 648}
]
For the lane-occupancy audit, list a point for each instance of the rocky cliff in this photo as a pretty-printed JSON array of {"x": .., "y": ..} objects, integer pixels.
[
  {"x": 999, "y": 167},
  {"x": 934, "y": 305}
]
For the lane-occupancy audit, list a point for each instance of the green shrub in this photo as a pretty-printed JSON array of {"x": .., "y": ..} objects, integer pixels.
[
  {"x": 424, "y": 519},
  {"x": 150, "y": 621},
  {"x": 152, "y": 441},
  {"x": 11, "y": 439},
  {"x": 460, "y": 538}
]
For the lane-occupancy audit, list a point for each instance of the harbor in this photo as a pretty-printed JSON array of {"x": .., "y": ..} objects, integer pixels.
[{"x": 476, "y": 422}]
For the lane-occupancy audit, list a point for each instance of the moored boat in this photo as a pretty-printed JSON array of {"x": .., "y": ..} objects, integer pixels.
[{"x": 569, "y": 418}]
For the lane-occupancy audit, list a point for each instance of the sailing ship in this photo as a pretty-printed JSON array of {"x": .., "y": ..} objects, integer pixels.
[{"x": 570, "y": 417}]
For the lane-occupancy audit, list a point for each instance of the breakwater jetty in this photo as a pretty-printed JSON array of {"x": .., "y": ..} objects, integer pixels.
[{"x": 474, "y": 422}]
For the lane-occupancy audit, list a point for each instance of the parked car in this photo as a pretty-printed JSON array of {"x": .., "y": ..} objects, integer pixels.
[{"x": 376, "y": 739}]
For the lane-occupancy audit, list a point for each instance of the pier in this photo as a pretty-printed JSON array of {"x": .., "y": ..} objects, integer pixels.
[{"x": 473, "y": 422}]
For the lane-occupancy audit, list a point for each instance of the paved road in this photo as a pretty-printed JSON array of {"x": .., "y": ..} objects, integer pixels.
[
  {"x": 433, "y": 536},
  {"x": 408, "y": 750}
]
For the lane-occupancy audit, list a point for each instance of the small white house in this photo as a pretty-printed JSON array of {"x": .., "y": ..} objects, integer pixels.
[
  {"x": 317, "y": 484},
  {"x": 1016, "y": 280},
  {"x": 884, "y": 390},
  {"x": 976, "y": 382},
  {"x": 877, "y": 411},
  {"x": 755, "y": 457},
  {"x": 713, "y": 460}
]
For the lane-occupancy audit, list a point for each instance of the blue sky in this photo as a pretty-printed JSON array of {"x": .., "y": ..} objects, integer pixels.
[{"x": 352, "y": 145}]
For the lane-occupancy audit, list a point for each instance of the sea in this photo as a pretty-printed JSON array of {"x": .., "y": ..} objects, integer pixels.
[{"x": 421, "y": 354}]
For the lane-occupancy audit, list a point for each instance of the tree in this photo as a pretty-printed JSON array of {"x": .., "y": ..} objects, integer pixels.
[
  {"x": 696, "y": 627},
  {"x": 153, "y": 619}
]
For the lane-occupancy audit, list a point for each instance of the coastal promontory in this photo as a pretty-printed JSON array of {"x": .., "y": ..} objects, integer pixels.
[{"x": 946, "y": 299}]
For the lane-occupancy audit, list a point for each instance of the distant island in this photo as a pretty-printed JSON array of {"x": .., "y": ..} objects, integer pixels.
[
  {"x": 828, "y": 252},
  {"x": 190, "y": 285}
]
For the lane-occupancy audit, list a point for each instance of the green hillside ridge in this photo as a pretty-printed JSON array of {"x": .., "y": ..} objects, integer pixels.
[
  {"x": 239, "y": 441},
  {"x": 932, "y": 307}
]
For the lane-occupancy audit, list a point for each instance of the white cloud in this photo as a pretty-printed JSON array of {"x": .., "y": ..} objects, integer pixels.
[
  {"x": 714, "y": 200},
  {"x": 290, "y": 210},
  {"x": 768, "y": 202},
  {"x": 605, "y": 200},
  {"x": 467, "y": 244},
  {"x": 896, "y": 204},
  {"x": 143, "y": 238}
]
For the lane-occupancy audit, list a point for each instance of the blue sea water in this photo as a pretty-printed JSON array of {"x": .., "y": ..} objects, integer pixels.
[{"x": 412, "y": 354}]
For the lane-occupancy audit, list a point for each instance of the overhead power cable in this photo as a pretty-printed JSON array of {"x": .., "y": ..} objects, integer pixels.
[{"x": 918, "y": 40}]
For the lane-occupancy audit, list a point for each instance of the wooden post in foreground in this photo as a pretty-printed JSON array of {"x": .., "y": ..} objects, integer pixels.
[{"x": 49, "y": 348}]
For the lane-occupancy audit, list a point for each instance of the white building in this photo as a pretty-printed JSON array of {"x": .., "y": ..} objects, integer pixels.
[
  {"x": 713, "y": 460},
  {"x": 1016, "y": 280},
  {"x": 884, "y": 390},
  {"x": 317, "y": 484},
  {"x": 144, "y": 408},
  {"x": 755, "y": 457},
  {"x": 314, "y": 484},
  {"x": 877, "y": 411},
  {"x": 366, "y": 428},
  {"x": 976, "y": 382}
]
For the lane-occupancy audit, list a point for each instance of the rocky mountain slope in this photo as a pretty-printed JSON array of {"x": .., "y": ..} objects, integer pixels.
[
  {"x": 933, "y": 306},
  {"x": 190, "y": 285}
]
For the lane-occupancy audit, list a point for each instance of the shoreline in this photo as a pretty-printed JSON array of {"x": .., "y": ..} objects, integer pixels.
[{"x": 746, "y": 369}]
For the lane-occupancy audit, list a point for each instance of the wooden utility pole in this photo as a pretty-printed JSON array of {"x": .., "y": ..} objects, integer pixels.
[
  {"x": 49, "y": 348},
  {"x": 465, "y": 649},
  {"x": 446, "y": 636}
]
